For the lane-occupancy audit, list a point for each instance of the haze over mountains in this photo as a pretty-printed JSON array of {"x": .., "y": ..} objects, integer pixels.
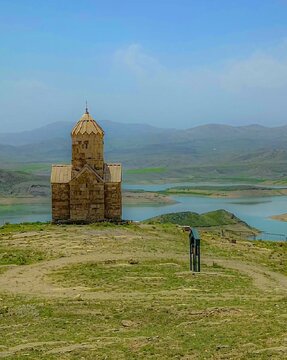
[
  {"x": 253, "y": 150},
  {"x": 122, "y": 131}
]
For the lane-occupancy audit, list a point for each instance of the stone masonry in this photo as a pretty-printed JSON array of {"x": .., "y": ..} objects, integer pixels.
[{"x": 89, "y": 190}]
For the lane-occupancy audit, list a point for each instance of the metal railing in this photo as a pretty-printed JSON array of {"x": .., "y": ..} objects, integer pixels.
[
  {"x": 269, "y": 236},
  {"x": 259, "y": 236}
]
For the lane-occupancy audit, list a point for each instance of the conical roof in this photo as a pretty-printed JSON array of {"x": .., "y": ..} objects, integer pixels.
[{"x": 87, "y": 125}]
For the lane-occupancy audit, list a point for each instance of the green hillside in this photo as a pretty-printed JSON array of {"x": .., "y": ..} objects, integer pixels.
[{"x": 212, "y": 218}]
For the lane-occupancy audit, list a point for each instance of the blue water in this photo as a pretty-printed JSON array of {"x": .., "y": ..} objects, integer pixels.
[
  {"x": 256, "y": 211},
  {"x": 20, "y": 213}
]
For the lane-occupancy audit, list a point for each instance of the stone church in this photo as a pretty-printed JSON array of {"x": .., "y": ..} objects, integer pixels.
[{"x": 89, "y": 189}]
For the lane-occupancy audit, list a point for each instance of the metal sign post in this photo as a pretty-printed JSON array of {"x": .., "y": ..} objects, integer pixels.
[{"x": 194, "y": 250}]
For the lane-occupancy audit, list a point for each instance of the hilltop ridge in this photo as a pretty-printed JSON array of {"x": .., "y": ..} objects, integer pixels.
[
  {"x": 218, "y": 218},
  {"x": 207, "y": 151}
]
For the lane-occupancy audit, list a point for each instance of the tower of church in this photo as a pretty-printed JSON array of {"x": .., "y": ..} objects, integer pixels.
[
  {"x": 87, "y": 145},
  {"x": 89, "y": 189}
]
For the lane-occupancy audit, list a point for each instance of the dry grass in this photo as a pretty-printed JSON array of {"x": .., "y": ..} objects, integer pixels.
[{"x": 125, "y": 292}]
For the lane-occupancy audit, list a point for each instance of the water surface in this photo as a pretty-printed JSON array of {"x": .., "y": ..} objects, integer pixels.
[{"x": 256, "y": 211}]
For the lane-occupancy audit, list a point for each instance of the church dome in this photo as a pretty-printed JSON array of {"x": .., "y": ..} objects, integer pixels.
[{"x": 87, "y": 125}]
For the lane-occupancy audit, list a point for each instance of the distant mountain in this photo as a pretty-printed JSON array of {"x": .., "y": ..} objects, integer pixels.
[
  {"x": 203, "y": 151},
  {"x": 52, "y": 131},
  {"x": 62, "y": 130},
  {"x": 148, "y": 134}
]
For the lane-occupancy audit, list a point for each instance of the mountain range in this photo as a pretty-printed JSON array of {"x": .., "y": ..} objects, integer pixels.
[{"x": 210, "y": 150}]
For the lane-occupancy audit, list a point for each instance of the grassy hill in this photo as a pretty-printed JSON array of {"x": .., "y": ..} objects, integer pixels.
[
  {"x": 218, "y": 218},
  {"x": 125, "y": 292}
]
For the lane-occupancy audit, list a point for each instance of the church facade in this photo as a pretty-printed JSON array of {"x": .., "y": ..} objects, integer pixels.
[{"x": 89, "y": 189}]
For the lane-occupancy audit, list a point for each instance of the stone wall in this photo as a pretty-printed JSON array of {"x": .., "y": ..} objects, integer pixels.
[
  {"x": 60, "y": 202},
  {"x": 113, "y": 201},
  {"x": 87, "y": 149},
  {"x": 87, "y": 198}
]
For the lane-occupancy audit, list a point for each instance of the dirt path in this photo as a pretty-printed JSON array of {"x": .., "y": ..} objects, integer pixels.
[
  {"x": 33, "y": 279},
  {"x": 263, "y": 278}
]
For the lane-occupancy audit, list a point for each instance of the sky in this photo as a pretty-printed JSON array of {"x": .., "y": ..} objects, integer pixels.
[{"x": 167, "y": 63}]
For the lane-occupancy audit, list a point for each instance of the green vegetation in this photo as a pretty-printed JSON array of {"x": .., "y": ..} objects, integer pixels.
[
  {"x": 145, "y": 276},
  {"x": 33, "y": 168},
  {"x": 126, "y": 292},
  {"x": 212, "y": 218},
  {"x": 24, "y": 227},
  {"x": 213, "y": 188},
  {"x": 15, "y": 255},
  {"x": 9, "y": 256},
  {"x": 245, "y": 180},
  {"x": 231, "y": 191},
  {"x": 183, "y": 170},
  {"x": 206, "y": 153},
  {"x": 146, "y": 170}
]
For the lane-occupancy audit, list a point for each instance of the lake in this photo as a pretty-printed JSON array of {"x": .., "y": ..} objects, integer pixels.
[{"x": 255, "y": 211}]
